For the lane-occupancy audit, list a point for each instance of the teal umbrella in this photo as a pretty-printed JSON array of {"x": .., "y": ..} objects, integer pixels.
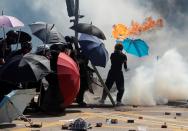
[{"x": 136, "y": 47}]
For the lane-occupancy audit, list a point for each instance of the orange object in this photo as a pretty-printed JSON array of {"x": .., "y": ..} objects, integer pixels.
[{"x": 120, "y": 31}]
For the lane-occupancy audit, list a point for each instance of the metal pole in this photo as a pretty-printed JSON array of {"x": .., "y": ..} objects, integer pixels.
[
  {"x": 2, "y": 13},
  {"x": 104, "y": 85},
  {"x": 76, "y": 16}
]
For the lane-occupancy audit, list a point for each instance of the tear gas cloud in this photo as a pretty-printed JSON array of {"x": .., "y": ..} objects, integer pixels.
[
  {"x": 157, "y": 82},
  {"x": 153, "y": 78},
  {"x": 160, "y": 81}
]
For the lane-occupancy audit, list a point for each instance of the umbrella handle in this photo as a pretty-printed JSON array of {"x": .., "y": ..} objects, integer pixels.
[
  {"x": 19, "y": 33},
  {"x": 39, "y": 99},
  {"x": 3, "y": 32}
]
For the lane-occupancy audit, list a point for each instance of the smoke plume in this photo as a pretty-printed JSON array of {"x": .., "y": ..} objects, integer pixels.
[{"x": 163, "y": 80}]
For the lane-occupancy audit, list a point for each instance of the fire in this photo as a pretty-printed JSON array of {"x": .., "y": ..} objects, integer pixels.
[{"x": 120, "y": 31}]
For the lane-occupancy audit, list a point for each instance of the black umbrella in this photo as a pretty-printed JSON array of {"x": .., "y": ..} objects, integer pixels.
[
  {"x": 47, "y": 33},
  {"x": 27, "y": 68},
  {"x": 23, "y": 36},
  {"x": 89, "y": 29},
  {"x": 19, "y": 36}
]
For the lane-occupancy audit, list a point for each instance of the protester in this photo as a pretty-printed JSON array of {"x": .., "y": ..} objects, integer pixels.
[
  {"x": 41, "y": 85},
  {"x": 7, "y": 87},
  {"x": 53, "y": 99},
  {"x": 85, "y": 72},
  {"x": 26, "y": 47},
  {"x": 115, "y": 74},
  {"x": 72, "y": 41},
  {"x": 5, "y": 45}
]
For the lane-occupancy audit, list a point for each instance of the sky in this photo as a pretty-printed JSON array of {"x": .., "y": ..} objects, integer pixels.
[{"x": 168, "y": 43}]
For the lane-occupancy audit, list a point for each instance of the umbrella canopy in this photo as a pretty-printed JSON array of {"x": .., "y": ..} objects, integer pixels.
[
  {"x": 47, "y": 33},
  {"x": 27, "y": 68},
  {"x": 89, "y": 29},
  {"x": 19, "y": 36},
  {"x": 135, "y": 47},
  {"x": 94, "y": 50},
  {"x": 69, "y": 78},
  {"x": 13, "y": 104},
  {"x": 10, "y": 21}
]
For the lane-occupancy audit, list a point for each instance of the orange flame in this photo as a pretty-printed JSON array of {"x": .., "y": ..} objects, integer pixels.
[{"x": 120, "y": 31}]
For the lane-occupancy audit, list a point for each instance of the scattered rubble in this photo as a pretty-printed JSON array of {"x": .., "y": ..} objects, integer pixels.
[
  {"x": 164, "y": 126},
  {"x": 178, "y": 114},
  {"x": 114, "y": 121},
  {"x": 99, "y": 124},
  {"x": 167, "y": 113},
  {"x": 130, "y": 121}
]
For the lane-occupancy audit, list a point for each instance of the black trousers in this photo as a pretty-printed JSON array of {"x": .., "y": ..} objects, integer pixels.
[
  {"x": 118, "y": 78},
  {"x": 83, "y": 87}
]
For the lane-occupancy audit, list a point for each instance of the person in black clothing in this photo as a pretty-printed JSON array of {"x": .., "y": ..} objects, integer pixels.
[
  {"x": 72, "y": 41},
  {"x": 115, "y": 74},
  {"x": 85, "y": 71},
  {"x": 5, "y": 45},
  {"x": 26, "y": 47},
  {"x": 41, "y": 85},
  {"x": 52, "y": 99},
  {"x": 7, "y": 87}
]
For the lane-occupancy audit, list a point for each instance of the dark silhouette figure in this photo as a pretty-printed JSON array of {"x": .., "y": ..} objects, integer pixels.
[{"x": 115, "y": 74}]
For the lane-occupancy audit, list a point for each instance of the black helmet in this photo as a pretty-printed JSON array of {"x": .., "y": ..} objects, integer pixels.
[
  {"x": 119, "y": 46},
  {"x": 12, "y": 33}
]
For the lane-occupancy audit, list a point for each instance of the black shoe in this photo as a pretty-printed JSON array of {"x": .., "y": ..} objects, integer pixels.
[{"x": 82, "y": 104}]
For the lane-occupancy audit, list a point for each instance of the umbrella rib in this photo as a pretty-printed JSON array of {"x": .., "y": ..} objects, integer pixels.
[
  {"x": 139, "y": 54},
  {"x": 129, "y": 45},
  {"x": 14, "y": 107},
  {"x": 52, "y": 27}
]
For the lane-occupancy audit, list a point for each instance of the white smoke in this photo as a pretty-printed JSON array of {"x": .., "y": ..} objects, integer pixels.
[{"x": 162, "y": 80}]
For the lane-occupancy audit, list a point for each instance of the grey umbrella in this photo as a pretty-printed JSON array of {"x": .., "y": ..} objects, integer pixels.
[
  {"x": 89, "y": 29},
  {"x": 13, "y": 104},
  {"x": 27, "y": 68},
  {"x": 47, "y": 33}
]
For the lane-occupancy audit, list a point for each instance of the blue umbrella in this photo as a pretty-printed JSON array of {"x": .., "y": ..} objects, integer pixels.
[
  {"x": 13, "y": 104},
  {"x": 136, "y": 47},
  {"x": 94, "y": 50}
]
